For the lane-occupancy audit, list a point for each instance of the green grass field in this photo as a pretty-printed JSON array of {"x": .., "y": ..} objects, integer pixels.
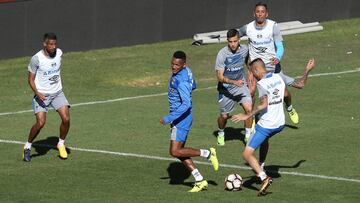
[{"x": 325, "y": 143}]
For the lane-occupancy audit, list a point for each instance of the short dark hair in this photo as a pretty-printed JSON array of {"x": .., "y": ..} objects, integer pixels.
[
  {"x": 50, "y": 35},
  {"x": 180, "y": 55},
  {"x": 232, "y": 33},
  {"x": 261, "y": 4},
  {"x": 257, "y": 60}
]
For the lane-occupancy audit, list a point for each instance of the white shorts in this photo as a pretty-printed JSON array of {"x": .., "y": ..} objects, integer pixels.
[{"x": 56, "y": 101}]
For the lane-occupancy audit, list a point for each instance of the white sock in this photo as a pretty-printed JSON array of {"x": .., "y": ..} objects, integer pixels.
[
  {"x": 61, "y": 142},
  {"x": 289, "y": 108},
  {"x": 262, "y": 175},
  {"x": 198, "y": 177},
  {"x": 262, "y": 164},
  {"x": 204, "y": 153},
  {"x": 247, "y": 132},
  {"x": 27, "y": 145},
  {"x": 221, "y": 132}
]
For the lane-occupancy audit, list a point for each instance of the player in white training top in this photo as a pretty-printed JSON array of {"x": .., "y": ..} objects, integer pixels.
[
  {"x": 266, "y": 42},
  {"x": 271, "y": 89},
  {"x": 45, "y": 81}
]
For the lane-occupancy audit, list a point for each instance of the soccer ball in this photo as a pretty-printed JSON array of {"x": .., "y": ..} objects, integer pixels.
[{"x": 233, "y": 182}]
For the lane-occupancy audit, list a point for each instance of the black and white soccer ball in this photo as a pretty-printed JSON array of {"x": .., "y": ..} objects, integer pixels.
[{"x": 233, "y": 182}]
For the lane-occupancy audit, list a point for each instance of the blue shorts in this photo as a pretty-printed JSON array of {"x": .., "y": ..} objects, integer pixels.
[
  {"x": 179, "y": 134},
  {"x": 261, "y": 134}
]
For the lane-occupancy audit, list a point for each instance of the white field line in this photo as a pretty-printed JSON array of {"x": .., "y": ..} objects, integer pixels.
[
  {"x": 162, "y": 94},
  {"x": 198, "y": 162}
]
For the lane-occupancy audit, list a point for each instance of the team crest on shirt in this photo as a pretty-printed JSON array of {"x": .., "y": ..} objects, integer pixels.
[
  {"x": 53, "y": 64},
  {"x": 260, "y": 49},
  {"x": 259, "y": 35},
  {"x": 276, "y": 91},
  {"x": 275, "y": 94}
]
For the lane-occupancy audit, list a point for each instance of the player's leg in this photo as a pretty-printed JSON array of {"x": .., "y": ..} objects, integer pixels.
[
  {"x": 246, "y": 103},
  {"x": 61, "y": 105},
  {"x": 264, "y": 148},
  {"x": 40, "y": 108},
  {"x": 294, "y": 117},
  {"x": 34, "y": 131},
  {"x": 255, "y": 141},
  {"x": 178, "y": 150},
  {"x": 226, "y": 105},
  {"x": 222, "y": 120}
]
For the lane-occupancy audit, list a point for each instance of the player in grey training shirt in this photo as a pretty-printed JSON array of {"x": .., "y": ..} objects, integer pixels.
[
  {"x": 45, "y": 81},
  {"x": 232, "y": 86}
]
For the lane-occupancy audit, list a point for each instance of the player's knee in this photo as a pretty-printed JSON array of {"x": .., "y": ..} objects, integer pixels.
[
  {"x": 40, "y": 123},
  {"x": 174, "y": 153},
  {"x": 246, "y": 154},
  {"x": 66, "y": 120},
  {"x": 224, "y": 116}
]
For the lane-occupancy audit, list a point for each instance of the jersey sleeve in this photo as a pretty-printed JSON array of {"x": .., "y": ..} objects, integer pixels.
[
  {"x": 277, "y": 34},
  {"x": 185, "y": 95},
  {"x": 242, "y": 30},
  {"x": 262, "y": 91},
  {"x": 220, "y": 62},
  {"x": 34, "y": 64}
]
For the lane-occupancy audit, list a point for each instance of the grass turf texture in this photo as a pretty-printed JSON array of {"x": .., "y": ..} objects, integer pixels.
[{"x": 325, "y": 142}]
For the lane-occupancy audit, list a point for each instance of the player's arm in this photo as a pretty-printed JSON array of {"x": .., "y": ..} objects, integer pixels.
[
  {"x": 279, "y": 46},
  {"x": 300, "y": 82},
  {"x": 185, "y": 95},
  {"x": 32, "y": 68},
  {"x": 241, "y": 116},
  {"x": 221, "y": 78},
  {"x": 242, "y": 31}
]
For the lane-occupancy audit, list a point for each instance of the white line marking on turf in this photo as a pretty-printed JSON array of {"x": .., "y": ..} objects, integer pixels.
[
  {"x": 198, "y": 162},
  {"x": 162, "y": 94}
]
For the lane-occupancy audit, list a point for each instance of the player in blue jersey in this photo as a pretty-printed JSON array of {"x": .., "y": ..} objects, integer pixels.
[
  {"x": 232, "y": 86},
  {"x": 180, "y": 119},
  {"x": 271, "y": 88}
]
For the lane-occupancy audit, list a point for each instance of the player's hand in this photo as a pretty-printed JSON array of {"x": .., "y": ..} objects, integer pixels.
[
  {"x": 310, "y": 65},
  {"x": 238, "y": 83},
  {"x": 40, "y": 96},
  {"x": 239, "y": 117},
  {"x": 274, "y": 61},
  {"x": 162, "y": 121}
]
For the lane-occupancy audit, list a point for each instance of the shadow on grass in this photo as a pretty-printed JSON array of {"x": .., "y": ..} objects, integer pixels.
[
  {"x": 232, "y": 134},
  {"x": 178, "y": 173},
  {"x": 42, "y": 147},
  {"x": 272, "y": 170},
  {"x": 291, "y": 126}
]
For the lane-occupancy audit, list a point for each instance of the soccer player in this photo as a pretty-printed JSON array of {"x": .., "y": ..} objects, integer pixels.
[
  {"x": 180, "y": 119},
  {"x": 232, "y": 86},
  {"x": 271, "y": 89},
  {"x": 266, "y": 42},
  {"x": 45, "y": 81}
]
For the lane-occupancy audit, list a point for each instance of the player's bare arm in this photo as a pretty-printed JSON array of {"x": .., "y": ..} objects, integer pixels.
[
  {"x": 162, "y": 121},
  {"x": 241, "y": 116},
  {"x": 300, "y": 82},
  {"x": 223, "y": 79},
  {"x": 31, "y": 81}
]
